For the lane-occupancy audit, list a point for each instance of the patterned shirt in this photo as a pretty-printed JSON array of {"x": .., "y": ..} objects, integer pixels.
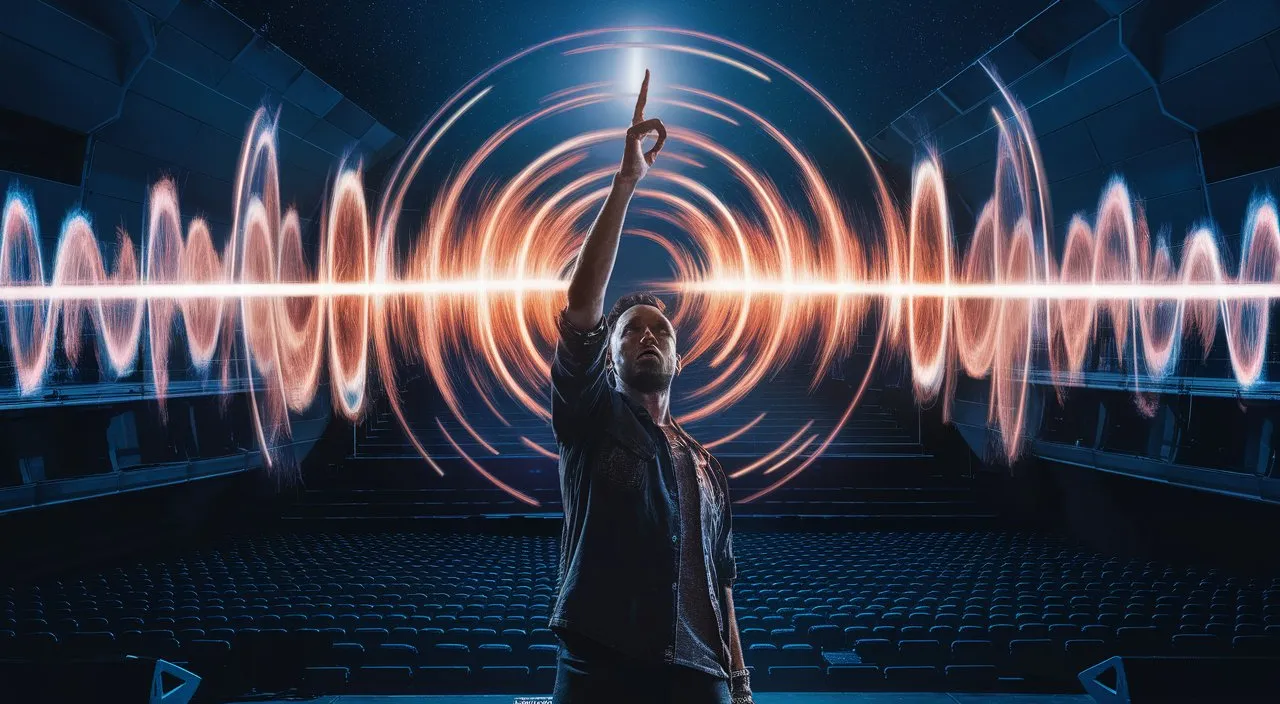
[{"x": 698, "y": 642}]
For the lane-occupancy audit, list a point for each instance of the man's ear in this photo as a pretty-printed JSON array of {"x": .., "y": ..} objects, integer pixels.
[{"x": 679, "y": 364}]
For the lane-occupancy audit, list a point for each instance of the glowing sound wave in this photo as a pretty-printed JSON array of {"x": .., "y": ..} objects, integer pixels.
[
  {"x": 1086, "y": 291},
  {"x": 774, "y": 248},
  {"x": 1170, "y": 303},
  {"x": 980, "y": 312},
  {"x": 179, "y": 291},
  {"x": 260, "y": 277},
  {"x": 766, "y": 279}
]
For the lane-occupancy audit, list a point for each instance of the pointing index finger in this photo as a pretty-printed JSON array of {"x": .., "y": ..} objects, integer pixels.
[{"x": 640, "y": 101}]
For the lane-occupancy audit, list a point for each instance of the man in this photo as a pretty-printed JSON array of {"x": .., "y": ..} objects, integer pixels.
[{"x": 645, "y": 609}]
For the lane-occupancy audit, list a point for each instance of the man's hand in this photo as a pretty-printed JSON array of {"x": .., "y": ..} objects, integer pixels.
[
  {"x": 600, "y": 250},
  {"x": 635, "y": 161}
]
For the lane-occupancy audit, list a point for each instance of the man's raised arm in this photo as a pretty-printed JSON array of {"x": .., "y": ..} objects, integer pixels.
[{"x": 600, "y": 250}]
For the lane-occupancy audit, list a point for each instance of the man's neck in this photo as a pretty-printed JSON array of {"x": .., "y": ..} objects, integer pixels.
[{"x": 657, "y": 403}]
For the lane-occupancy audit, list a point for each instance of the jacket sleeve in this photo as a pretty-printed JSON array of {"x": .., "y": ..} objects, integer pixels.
[{"x": 579, "y": 379}]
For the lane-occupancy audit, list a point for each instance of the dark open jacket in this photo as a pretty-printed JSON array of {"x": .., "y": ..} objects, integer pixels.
[{"x": 619, "y": 550}]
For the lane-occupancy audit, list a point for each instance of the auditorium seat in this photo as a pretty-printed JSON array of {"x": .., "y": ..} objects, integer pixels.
[
  {"x": 973, "y": 652},
  {"x": 325, "y": 680},
  {"x": 403, "y": 635},
  {"x": 784, "y": 636},
  {"x": 89, "y": 644},
  {"x": 802, "y": 622},
  {"x": 969, "y": 678},
  {"x": 876, "y": 650},
  {"x": 853, "y": 634},
  {"x": 350, "y": 655},
  {"x": 1063, "y": 632},
  {"x": 392, "y": 654},
  {"x": 1084, "y": 653},
  {"x": 826, "y": 636},
  {"x": 185, "y": 635},
  {"x": 796, "y": 654},
  {"x": 762, "y": 655},
  {"x": 1196, "y": 644},
  {"x": 920, "y": 652},
  {"x": 449, "y": 654},
  {"x": 441, "y": 679},
  {"x": 854, "y": 678},
  {"x": 1037, "y": 658},
  {"x": 1255, "y": 646},
  {"x": 1002, "y": 634},
  {"x": 428, "y": 637},
  {"x": 913, "y": 677},
  {"x": 382, "y": 679},
  {"x": 542, "y": 679},
  {"x": 505, "y": 678},
  {"x": 795, "y": 678},
  {"x": 944, "y": 634},
  {"x": 1098, "y": 632},
  {"x": 494, "y": 654},
  {"x": 1139, "y": 640}
]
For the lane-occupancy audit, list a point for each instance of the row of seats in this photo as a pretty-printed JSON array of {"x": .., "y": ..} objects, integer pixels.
[{"x": 379, "y": 609}]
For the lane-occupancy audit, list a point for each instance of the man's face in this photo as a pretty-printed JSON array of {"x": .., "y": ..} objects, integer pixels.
[{"x": 643, "y": 348}]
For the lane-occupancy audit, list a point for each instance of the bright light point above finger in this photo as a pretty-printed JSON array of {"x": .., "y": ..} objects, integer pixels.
[
  {"x": 633, "y": 66},
  {"x": 632, "y": 62}
]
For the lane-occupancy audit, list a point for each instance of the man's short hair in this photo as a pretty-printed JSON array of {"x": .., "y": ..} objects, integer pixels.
[{"x": 632, "y": 300}]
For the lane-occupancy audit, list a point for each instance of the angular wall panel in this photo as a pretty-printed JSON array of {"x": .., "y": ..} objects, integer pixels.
[
  {"x": 1238, "y": 83},
  {"x": 160, "y": 9},
  {"x": 246, "y": 90},
  {"x": 1131, "y": 127},
  {"x": 329, "y": 138},
  {"x": 1221, "y": 28},
  {"x": 309, "y": 92},
  {"x": 212, "y": 26},
  {"x": 1068, "y": 152},
  {"x": 350, "y": 118},
  {"x": 189, "y": 57},
  {"x": 60, "y": 35},
  {"x": 123, "y": 173},
  {"x": 112, "y": 213},
  {"x": 213, "y": 152},
  {"x": 1159, "y": 172},
  {"x": 41, "y": 85},
  {"x": 151, "y": 128},
  {"x": 191, "y": 98},
  {"x": 269, "y": 64}
]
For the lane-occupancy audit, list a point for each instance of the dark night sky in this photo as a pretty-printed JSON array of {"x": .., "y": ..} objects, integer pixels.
[{"x": 399, "y": 59}]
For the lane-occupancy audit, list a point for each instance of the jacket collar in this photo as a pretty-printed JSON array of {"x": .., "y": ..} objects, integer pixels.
[{"x": 645, "y": 421}]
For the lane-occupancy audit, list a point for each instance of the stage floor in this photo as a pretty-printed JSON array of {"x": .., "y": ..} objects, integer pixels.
[{"x": 761, "y": 698}]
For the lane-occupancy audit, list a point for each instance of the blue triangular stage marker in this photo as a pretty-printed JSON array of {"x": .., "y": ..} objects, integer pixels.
[
  {"x": 163, "y": 689},
  {"x": 1106, "y": 682}
]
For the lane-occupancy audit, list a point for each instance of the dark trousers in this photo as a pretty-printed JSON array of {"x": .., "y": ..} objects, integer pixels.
[{"x": 587, "y": 673}]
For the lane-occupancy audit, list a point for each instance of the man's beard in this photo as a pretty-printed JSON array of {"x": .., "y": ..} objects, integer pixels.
[{"x": 647, "y": 381}]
